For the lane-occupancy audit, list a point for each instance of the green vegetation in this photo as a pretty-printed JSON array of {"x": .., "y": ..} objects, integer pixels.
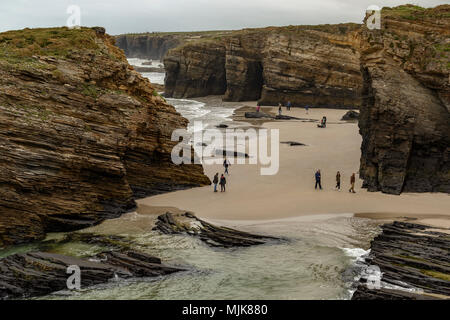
[
  {"x": 408, "y": 11},
  {"x": 16, "y": 46},
  {"x": 91, "y": 90},
  {"x": 436, "y": 274}
]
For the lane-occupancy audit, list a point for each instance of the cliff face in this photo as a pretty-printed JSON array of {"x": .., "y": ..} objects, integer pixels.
[
  {"x": 196, "y": 70},
  {"x": 81, "y": 134},
  {"x": 404, "y": 119},
  {"x": 156, "y": 45},
  {"x": 147, "y": 46},
  {"x": 308, "y": 65}
]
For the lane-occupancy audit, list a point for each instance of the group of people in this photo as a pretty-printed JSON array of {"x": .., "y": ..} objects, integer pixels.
[
  {"x": 222, "y": 180},
  {"x": 280, "y": 107},
  {"x": 318, "y": 177},
  {"x": 288, "y": 107}
]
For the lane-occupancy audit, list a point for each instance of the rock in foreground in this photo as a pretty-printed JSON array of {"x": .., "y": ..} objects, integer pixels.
[
  {"x": 81, "y": 134},
  {"x": 212, "y": 235},
  {"x": 413, "y": 258},
  {"x": 37, "y": 274}
]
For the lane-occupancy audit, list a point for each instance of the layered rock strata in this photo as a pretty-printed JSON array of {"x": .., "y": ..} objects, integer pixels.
[
  {"x": 81, "y": 134},
  {"x": 405, "y": 118},
  {"x": 414, "y": 261}
]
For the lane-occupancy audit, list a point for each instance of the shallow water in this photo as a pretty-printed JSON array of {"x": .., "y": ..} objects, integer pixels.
[{"x": 315, "y": 260}]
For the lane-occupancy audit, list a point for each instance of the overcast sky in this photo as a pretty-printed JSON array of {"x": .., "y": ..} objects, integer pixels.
[{"x": 124, "y": 16}]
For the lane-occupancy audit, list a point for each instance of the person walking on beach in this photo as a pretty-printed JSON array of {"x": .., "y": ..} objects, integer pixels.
[
  {"x": 226, "y": 164},
  {"x": 289, "y": 105},
  {"x": 352, "y": 183},
  {"x": 216, "y": 181},
  {"x": 223, "y": 182},
  {"x": 318, "y": 179},
  {"x": 258, "y": 107},
  {"x": 307, "y": 109},
  {"x": 279, "y": 109},
  {"x": 338, "y": 181}
]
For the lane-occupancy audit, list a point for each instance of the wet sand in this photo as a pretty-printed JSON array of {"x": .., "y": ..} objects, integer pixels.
[{"x": 291, "y": 193}]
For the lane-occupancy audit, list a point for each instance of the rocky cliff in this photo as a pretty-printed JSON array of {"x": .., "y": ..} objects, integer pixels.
[
  {"x": 81, "y": 134},
  {"x": 405, "y": 120},
  {"x": 307, "y": 65},
  {"x": 156, "y": 45}
]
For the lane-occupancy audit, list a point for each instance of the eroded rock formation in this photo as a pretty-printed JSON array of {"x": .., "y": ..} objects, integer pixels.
[
  {"x": 414, "y": 261},
  {"x": 81, "y": 134},
  {"x": 38, "y": 273},
  {"x": 405, "y": 120},
  {"x": 212, "y": 235},
  {"x": 307, "y": 65}
]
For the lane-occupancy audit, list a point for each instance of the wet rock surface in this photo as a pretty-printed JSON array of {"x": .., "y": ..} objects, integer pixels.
[
  {"x": 258, "y": 115},
  {"x": 37, "y": 273},
  {"x": 212, "y": 235},
  {"x": 414, "y": 261}
]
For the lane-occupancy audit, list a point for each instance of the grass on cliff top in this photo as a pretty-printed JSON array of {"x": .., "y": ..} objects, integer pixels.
[
  {"x": 19, "y": 46},
  {"x": 414, "y": 12}
]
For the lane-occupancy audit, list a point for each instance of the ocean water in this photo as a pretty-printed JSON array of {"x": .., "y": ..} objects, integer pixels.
[
  {"x": 318, "y": 258},
  {"x": 154, "y": 77}
]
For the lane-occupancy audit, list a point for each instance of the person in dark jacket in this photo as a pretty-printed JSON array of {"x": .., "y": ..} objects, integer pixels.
[
  {"x": 223, "y": 182},
  {"x": 338, "y": 180},
  {"x": 226, "y": 165},
  {"x": 352, "y": 183},
  {"x": 216, "y": 181},
  {"x": 318, "y": 179}
]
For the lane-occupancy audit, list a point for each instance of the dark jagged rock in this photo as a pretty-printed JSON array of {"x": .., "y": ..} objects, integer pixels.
[
  {"x": 294, "y": 143},
  {"x": 351, "y": 115},
  {"x": 38, "y": 273},
  {"x": 409, "y": 256},
  {"x": 284, "y": 117},
  {"x": 257, "y": 115},
  {"x": 234, "y": 154},
  {"x": 212, "y": 235},
  {"x": 222, "y": 126}
]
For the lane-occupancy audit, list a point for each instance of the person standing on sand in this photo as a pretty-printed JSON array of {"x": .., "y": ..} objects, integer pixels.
[
  {"x": 307, "y": 109},
  {"x": 216, "y": 181},
  {"x": 226, "y": 164},
  {"x": 289, "y": 105},
  {"x": 352, "y": 183},
  {"x": 338, "y": 181},
  {"x": 318, "y": 179},
  {"x": 223, "y": 182},
  {"x": 258, "y": 107},
  {"x": 279, "y": 109}
]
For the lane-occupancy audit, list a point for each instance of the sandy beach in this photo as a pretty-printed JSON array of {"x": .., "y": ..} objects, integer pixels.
[{"x": 291, "y": 193}]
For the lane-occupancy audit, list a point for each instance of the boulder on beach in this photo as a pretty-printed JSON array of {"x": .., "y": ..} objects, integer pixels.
[
  {"x": 257, "y": 115},
  {"x": 351, "y": 115}
]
